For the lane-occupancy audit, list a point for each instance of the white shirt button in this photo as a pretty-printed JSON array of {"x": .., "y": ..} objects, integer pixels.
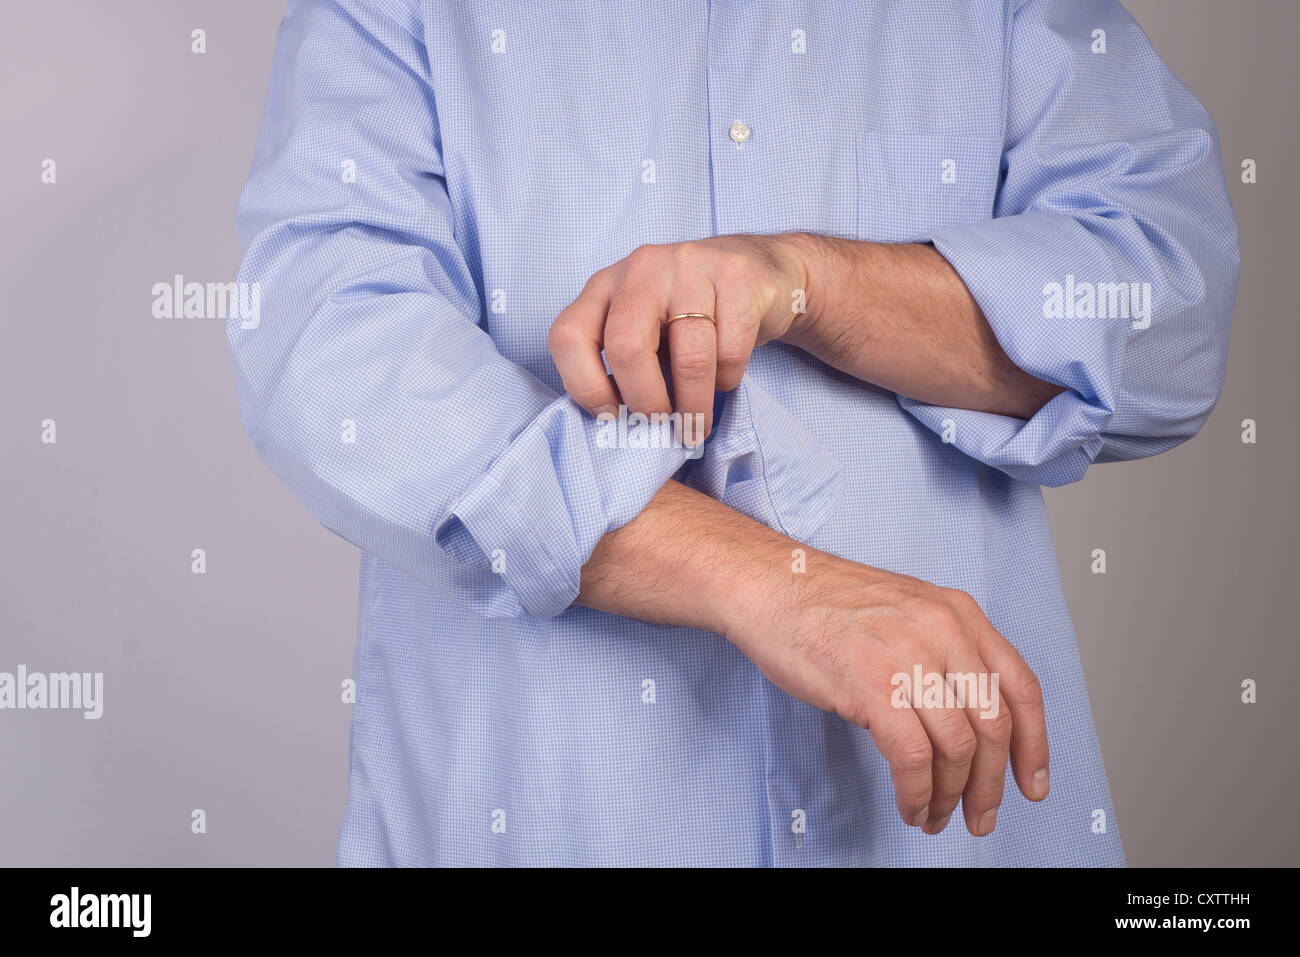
[{"x": 739, "y": 131}]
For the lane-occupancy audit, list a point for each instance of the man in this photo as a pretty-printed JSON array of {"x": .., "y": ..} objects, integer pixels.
[{"x": 902, "y": 265}]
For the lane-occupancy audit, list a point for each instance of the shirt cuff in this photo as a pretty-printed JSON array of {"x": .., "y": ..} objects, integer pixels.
[
  {"x": 1009, "y": 264},
  {"x": 526, "y": 528}
]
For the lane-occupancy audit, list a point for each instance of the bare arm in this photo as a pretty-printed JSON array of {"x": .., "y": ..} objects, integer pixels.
[
  {"x": 899, "y": 316},
  {"x": 895, "y": 315},
  {"x": 682, "y": 561},
  {"x": 836, "y": 634}
]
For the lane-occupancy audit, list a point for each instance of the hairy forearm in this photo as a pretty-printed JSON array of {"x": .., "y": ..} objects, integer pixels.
[
  {"x": 685, "y": 560},
  {"x": 899, "y": 316},
  {"x": 829, "y": 631},
  {"x": 835, "y": 634}
]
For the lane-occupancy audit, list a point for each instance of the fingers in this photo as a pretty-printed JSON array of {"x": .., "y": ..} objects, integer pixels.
[
  {"x": 983, "y": 795},
  {"x": 1024, "y": 699},
  {"x": 625, "y": 309},
  {"x": 575, "y": 341},
  {"x": 979, "y": 727},
  {"x": 693, "y": 352},
  {"x": 737, "y": 333},
  {"x": 954, "y": 746},
  {"x": 991, "y": 725},
  {"x": 693, "y": 358},
  {"x": 633, "y": 328},
  {"x": 900, "y": 737}
]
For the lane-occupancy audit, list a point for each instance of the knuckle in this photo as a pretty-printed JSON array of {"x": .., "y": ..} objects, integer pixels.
[
  {"x": 564, "y": 335},
  {"x": 746, "y": 313},
  {"x": 734, "y": 266},
  {"x": 622, "y": 347},
  {"x": 909, "y": 649},
  {"x": 1024, "y": 686},
  {"x": 961, "y": 745},
  {"x": 964, "y": 602},
  {"x": 687, "y": 255},
  {"x": 940, "y": 620},
  {"x": 856, "y": 712},
  {"x": 644, "y": 256},
  {"x": 913, "y": 757},
  {"x": 733, "y": 354},
  {"x": 996, "y": 727},
  {"x": 600, "y": 281},
  {"x": 693, "y": 365}
]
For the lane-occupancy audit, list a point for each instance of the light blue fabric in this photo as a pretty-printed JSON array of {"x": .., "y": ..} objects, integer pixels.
[{"x": 435, "y": 181}]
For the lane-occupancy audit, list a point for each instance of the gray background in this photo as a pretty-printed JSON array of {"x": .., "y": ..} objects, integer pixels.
[{"x": 222, "y": 691}]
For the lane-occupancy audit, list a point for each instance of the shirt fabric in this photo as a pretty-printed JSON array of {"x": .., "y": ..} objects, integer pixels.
[{"x": 435, "y": 180}]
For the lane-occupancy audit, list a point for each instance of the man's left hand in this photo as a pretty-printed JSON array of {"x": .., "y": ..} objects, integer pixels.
[{"x": 749, "y": 285}]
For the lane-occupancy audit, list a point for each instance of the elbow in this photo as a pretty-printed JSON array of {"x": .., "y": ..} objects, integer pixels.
[
  {"x": 1168, "y": 406},
  {"x": 1175, "y": 368}
]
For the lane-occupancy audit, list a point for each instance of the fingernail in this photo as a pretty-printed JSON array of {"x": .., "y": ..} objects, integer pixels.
[
  {"x": 921, "y": 818},
  {"x": 606, "y": 410},
  {"x": 987, "y": 822},
  {"x": 1040, "y": 784},
  {"x": 938, "y": 825}
]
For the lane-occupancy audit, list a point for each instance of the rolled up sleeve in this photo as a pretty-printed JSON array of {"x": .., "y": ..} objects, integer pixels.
[
  {"x": 1110, "y": 266},
  {"x": 365, "y": 379},
  {"x": 531, "y": 522}
]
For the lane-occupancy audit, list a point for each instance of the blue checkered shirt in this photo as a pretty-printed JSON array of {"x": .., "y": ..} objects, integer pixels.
[{"x": 435, "y": 180}]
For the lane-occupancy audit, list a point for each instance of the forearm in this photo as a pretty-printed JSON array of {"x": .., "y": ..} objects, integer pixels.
[
  {"x": 899, "y": 316},
  {"x": 685, "y": 560},
  {"x": 836, "y": 636}
]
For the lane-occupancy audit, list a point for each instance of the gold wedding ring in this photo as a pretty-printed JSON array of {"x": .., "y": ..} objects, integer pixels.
[{"x": 692, "y": 315}]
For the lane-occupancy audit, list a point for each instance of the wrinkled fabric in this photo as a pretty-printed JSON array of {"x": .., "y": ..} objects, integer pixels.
[{"x": 434, "y": 181}]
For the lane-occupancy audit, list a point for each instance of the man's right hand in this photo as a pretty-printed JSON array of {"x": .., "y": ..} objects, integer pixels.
[
  {"x": 838, "y": 634},
  {"x": 835, "y": 635}
]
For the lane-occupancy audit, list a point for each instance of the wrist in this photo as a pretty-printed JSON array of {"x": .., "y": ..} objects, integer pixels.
[
  {"x": 780, "y": 583},
  {"x": 787, "y": 267},
  {"x": 810, "y": 257}
]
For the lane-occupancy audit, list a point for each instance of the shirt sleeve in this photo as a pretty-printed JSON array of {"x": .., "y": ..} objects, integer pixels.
[
  {"x": 365, "y": 380},
  {"x": 1110, "y": 266}
]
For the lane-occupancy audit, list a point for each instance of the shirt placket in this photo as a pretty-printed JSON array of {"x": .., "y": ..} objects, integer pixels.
[{"x": 741, "y": 172}]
